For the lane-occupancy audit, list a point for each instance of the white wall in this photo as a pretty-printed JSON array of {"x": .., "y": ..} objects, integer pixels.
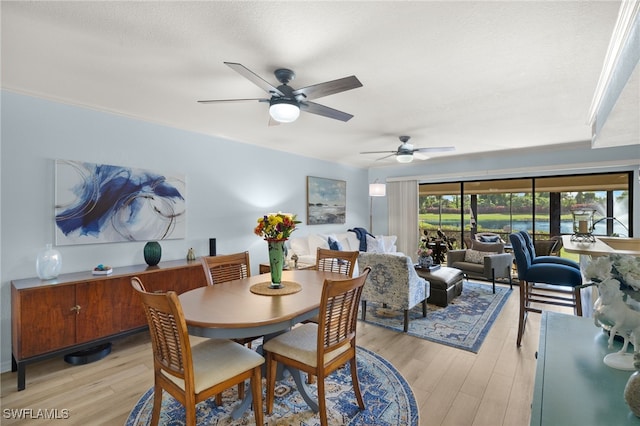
[{"x": 229, "y": 185}]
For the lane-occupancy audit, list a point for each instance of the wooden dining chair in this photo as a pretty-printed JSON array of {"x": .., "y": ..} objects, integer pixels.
[
  {"x": 193, "y": 371},
  {"x": 343, "y": 262},
  {"x": 229, "y": 267},
  {"x": 319, "y": 349}
]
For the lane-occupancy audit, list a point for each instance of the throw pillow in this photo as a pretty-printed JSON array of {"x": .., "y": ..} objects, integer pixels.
[
  {"x": 387, "y": 242},
  {"x": 374, "y": 245},
  {"x": 316, "y": 241},
  {"x": 334, "y": 244},
  {"x": 299, "y": 246},
  {"x": 492, "y": 247},
  {"x": 489, "y": 238},
  {"x": 475, "y": 256}
]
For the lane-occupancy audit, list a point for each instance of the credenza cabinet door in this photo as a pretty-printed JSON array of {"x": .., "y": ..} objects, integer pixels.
[
  {"x": 47, "y": 318},
  {"x": 99, "y": 309}
]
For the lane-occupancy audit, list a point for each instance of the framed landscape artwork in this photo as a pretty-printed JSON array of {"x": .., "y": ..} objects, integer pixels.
[
  {"x": 326, "y": 200},
  {"x": 101, "y": 203}
]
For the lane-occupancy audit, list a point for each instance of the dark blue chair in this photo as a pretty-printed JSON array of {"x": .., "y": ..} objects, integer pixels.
[
  {"x": 535, "y": 259},
  {"x": 562, "y": 282}
]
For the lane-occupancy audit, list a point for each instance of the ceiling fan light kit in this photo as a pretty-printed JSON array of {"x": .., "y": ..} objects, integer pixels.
[
  {"x": 404, "y": 153},
  {"x": 404, "y": 158},
  {"x": 284, "y": 110}
]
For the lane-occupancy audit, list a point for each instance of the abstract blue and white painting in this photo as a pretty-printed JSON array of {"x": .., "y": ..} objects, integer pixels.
[{"x": 101, "y": 203}]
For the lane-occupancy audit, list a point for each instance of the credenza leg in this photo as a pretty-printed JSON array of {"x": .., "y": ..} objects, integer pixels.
[{"x": 21, "y": 375}]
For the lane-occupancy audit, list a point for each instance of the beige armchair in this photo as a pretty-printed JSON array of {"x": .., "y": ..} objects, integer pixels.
[
  {"x": 483, "y": 260},
  {"x": 393, "y": 282}
]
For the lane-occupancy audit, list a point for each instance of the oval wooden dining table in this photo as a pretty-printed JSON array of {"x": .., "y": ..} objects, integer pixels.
[{"x": 231, "y": 310}]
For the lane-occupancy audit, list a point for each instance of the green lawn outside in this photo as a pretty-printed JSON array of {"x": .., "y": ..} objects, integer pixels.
[{"x": 433, "y": 217}]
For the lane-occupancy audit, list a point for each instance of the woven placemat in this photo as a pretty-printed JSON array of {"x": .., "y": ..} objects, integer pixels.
[{"x": 288, "y": 287}]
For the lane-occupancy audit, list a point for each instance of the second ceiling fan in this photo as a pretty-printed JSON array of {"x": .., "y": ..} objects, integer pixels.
[
  {"x": 405, "y": 152},
  {"x": 286, "y": 102}
]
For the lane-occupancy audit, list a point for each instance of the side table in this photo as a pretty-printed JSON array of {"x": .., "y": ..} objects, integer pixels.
[
  {"x": 446, "y": 284},
  {"x": 265, "y": 268}
]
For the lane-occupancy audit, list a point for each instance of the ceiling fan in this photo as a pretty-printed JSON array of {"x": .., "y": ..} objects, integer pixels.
[
  {"x": 406, "y": 151},
  {"x": 286, "y": 102}
]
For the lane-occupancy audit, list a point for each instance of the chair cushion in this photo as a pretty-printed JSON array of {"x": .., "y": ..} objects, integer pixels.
[
  {"x": 492, "y": 247},
  {"x": 216, "y": 360},
  {"x": 475, "y": 256},
  {"x": 300, "y": 344},
  {"x": 468, "y": 267},
  {"x": 489, "y": 238}
]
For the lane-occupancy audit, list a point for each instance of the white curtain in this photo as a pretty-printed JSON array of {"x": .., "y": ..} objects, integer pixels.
[{"x": 403, "y": 215}]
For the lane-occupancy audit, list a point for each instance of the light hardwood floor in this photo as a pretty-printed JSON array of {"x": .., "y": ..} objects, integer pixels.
[{"x": 451, "y": 386}]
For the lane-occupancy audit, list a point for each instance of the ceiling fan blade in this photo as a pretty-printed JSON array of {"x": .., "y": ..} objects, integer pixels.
[
  {"x": 386, "y": 156},
  {"x": 254, "y": 78},
  {"x": 378, "y": 152},
  {"x": 325, "y": 111},
  {"x": 329, "y": 87},
  {"x": 436, "y": 149},
  {"x": 213, "y": 101}
]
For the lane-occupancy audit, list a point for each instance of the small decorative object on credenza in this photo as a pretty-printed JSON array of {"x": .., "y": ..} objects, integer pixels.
[
  {"x": 102, "y": 270},
  {"x": 617, "y": 309},
  {"x": 48, "y": 263},
  {"x": 191, "y": 254},
  {"x": 152, "y": 253},
  {"x": 583, "y": 225},
  {"x": 276, "y": 228}
]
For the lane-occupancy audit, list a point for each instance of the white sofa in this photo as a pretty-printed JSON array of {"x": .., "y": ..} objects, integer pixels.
[{"x": 306, "y": 247}]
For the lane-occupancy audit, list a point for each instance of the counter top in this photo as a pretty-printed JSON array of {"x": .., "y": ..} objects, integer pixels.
[{"x": 603, "y": 246}]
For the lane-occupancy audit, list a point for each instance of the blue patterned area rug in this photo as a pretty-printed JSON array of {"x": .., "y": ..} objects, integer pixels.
[
  {"x": 388, "y": 399},
  {"x": 463, "y": 324}
]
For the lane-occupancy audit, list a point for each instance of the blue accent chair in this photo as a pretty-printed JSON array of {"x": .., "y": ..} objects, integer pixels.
[
  {"x": 545, "y": 259},
  {"x": 556, "y": 284}
]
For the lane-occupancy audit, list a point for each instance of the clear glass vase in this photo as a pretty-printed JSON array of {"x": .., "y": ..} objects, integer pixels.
[{"x": 48, "y": 263}]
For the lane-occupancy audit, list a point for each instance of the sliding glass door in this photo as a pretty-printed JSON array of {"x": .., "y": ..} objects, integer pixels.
[{"x": 540, "y": 205}]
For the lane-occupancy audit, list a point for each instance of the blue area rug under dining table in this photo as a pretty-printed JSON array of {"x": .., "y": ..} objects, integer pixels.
[{"x": 388, "y": 398}]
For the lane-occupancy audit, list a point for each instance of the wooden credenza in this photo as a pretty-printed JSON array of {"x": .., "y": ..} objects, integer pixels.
[{"x": 78, "y": 311}]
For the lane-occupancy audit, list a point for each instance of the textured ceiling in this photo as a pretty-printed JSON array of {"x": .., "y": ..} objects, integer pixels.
[{"x": 480, "y": 76}]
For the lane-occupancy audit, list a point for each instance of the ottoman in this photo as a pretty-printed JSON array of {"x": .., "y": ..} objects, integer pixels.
[{"x": 446, "y": 283}]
